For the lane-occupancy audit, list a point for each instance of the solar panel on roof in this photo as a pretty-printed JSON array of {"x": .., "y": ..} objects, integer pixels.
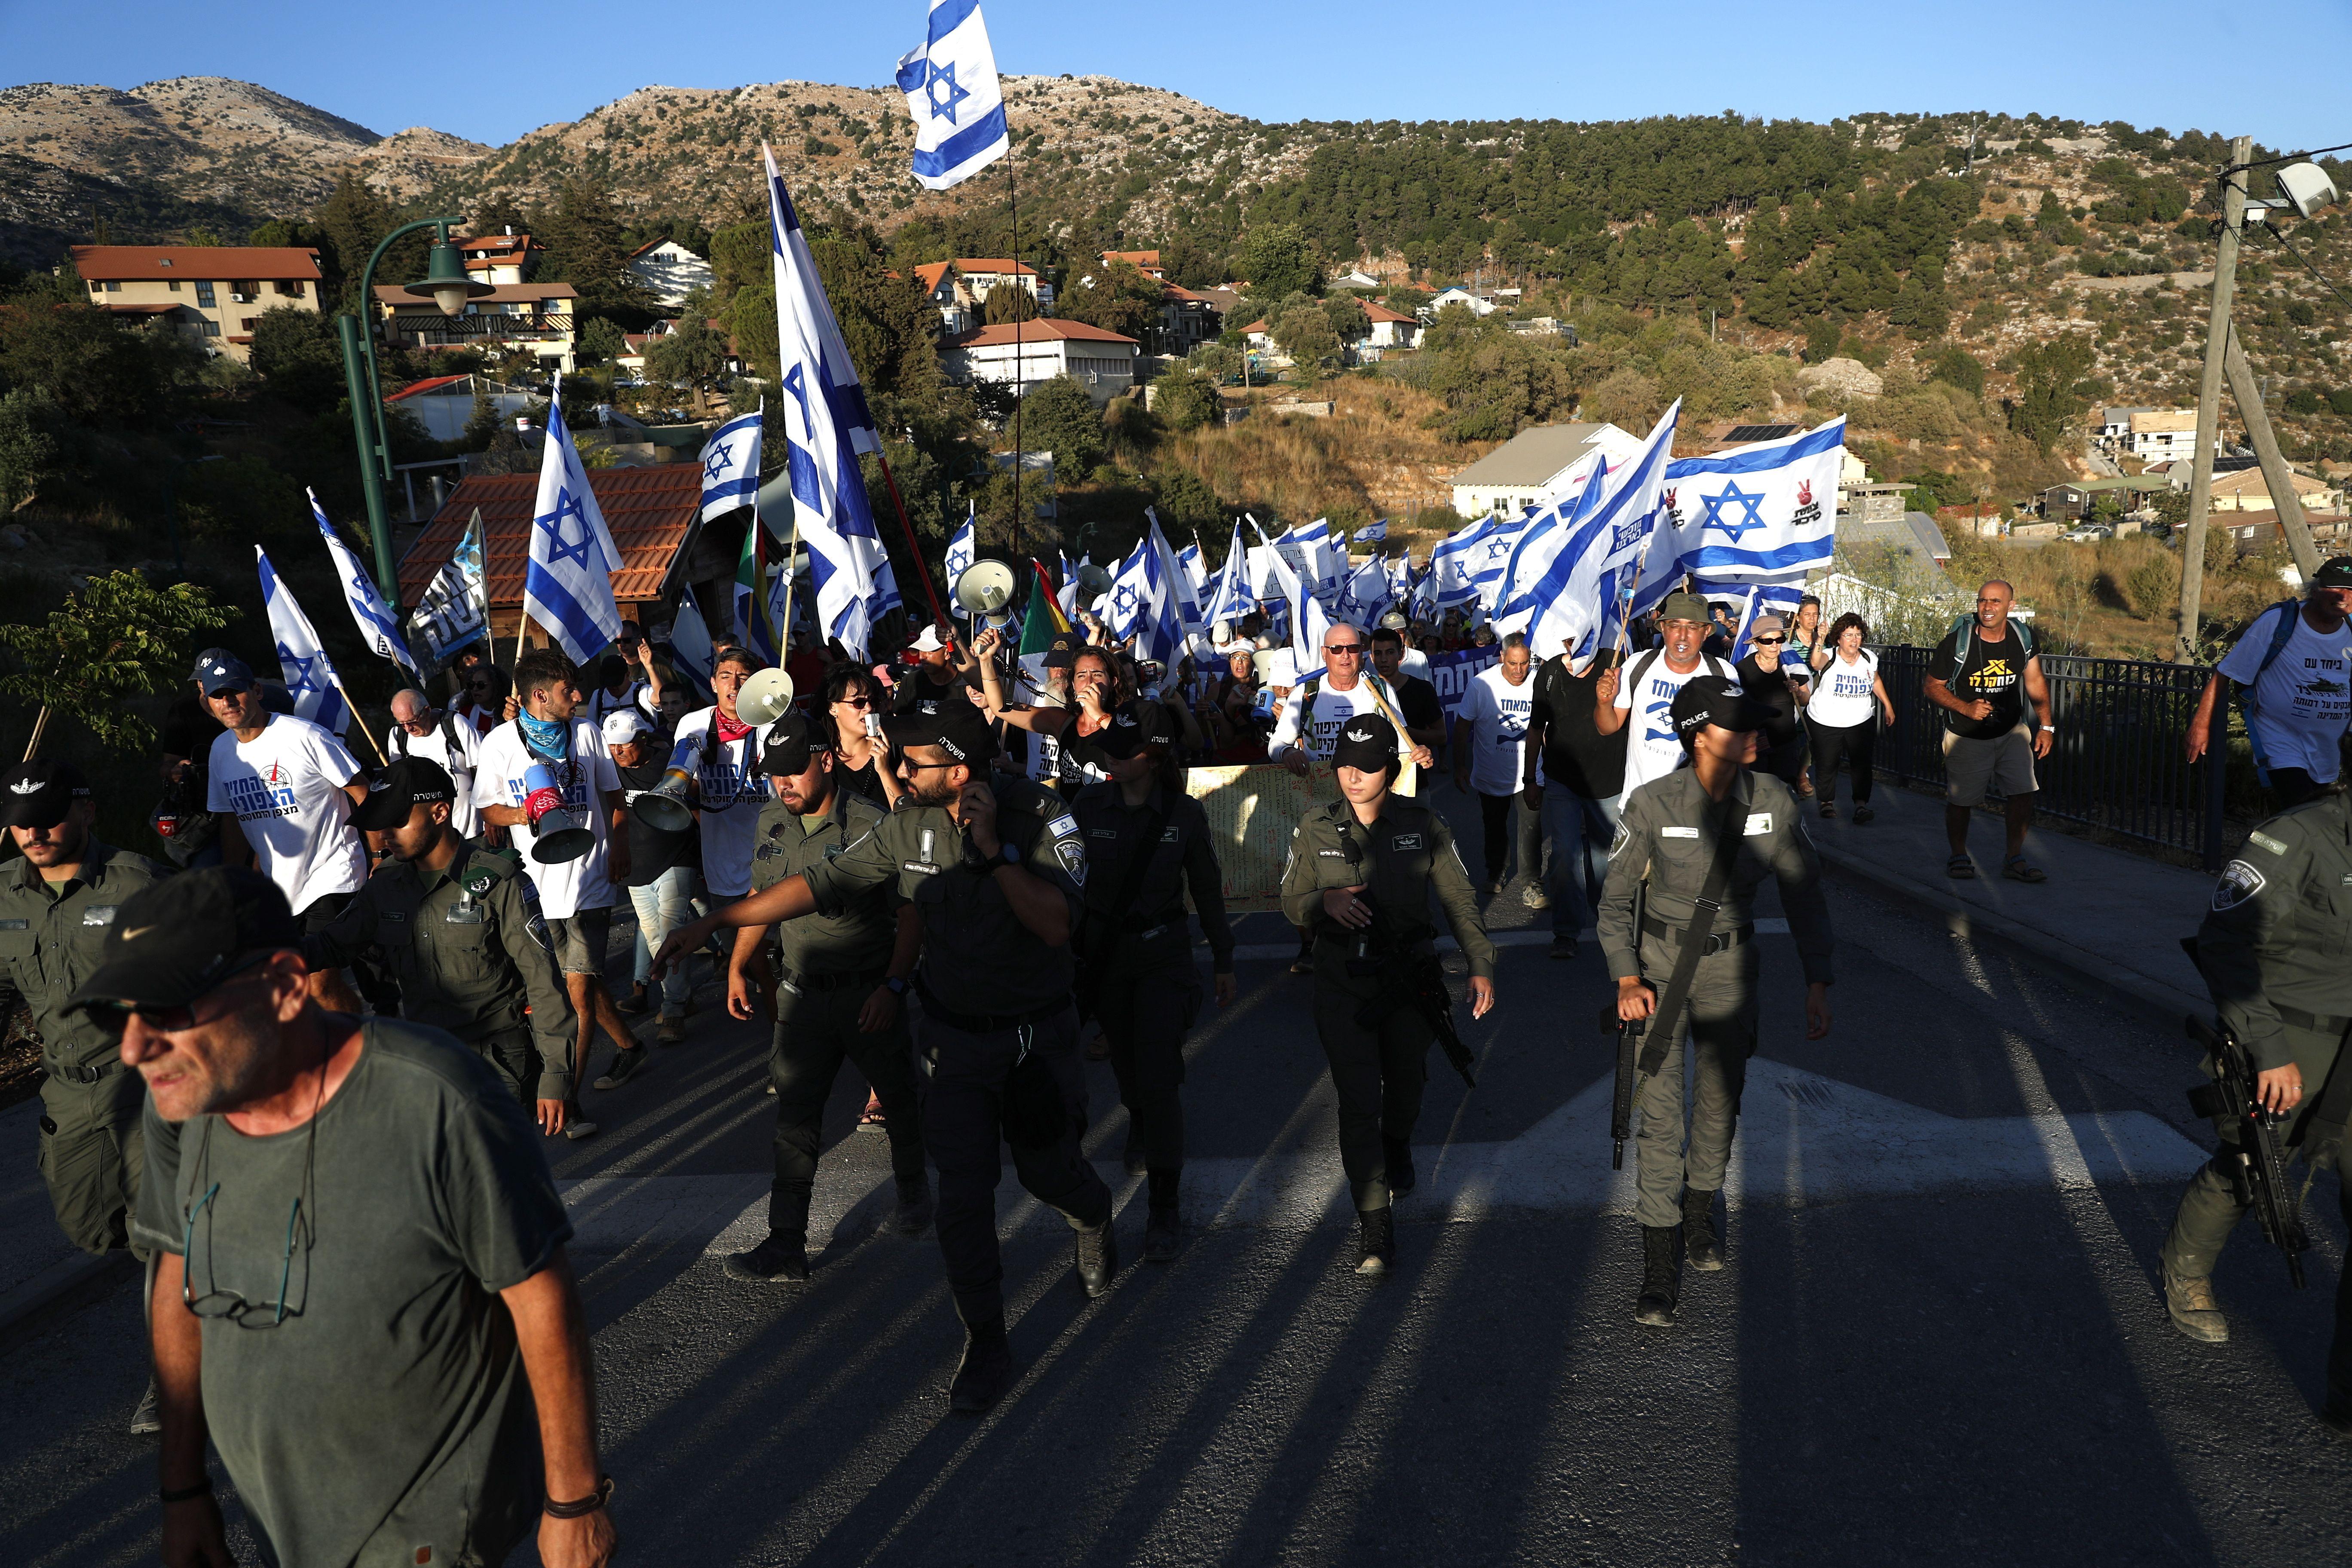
[{"x": 1760, "y": 432}]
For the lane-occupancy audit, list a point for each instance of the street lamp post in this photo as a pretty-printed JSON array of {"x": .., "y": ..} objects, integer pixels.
[{"x": 447, "y": 284}]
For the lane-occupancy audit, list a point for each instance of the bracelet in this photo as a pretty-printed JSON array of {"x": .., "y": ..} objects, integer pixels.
[
  {"x": 585, "y": 1506},
  {"x": 186, "y": 1494}
]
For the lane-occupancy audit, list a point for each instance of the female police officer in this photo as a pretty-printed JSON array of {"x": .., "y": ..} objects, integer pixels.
[
  {"x": 1360, "y": 877},
  {"x": 1666, "y": 848}
]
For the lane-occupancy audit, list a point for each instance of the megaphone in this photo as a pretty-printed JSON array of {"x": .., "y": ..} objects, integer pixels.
[
  {"x": 558, "y": 833},
  {"x": 765, "y": 697},
  {"x": 984, "y": 588},
  {"x": 1094, "y": 582},
  {"x": 665, "y": 808}
]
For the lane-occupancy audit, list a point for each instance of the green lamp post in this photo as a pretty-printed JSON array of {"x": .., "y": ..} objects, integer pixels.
[{"x": 445, "y": 282}]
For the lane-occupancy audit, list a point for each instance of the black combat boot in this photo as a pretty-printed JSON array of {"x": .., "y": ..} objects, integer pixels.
[
  {"x": 1397, "y": 1154},
  {"x": 781, "y": 1259},
  {"x": 1699, "y": 1242},
  {"x": 913, "y": 1215},
  {"x": 1098, "y": 1259},
  {"x": 986, "y": 1371},
  {"x": 1656, "y": 1305},
  {"x": 1376, "y": 1243}
]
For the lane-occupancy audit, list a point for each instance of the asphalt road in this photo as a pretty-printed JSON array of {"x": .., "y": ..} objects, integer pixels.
[{"x": 1940, "y": 1338}]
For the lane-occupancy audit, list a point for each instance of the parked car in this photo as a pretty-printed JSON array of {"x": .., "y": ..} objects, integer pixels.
[{"x": 2087, "y": 533}]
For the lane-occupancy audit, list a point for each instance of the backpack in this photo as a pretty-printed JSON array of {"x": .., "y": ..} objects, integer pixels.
[
  {"x": 1964, "y": 637},
  {"x": 1640, "y": 668},
  {"x": 2281, "y": 634}
]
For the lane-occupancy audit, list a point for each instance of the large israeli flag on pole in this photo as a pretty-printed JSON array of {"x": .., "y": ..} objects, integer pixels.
[
  {"x": 1454, "y": 561},
  {"x": 1762, "y": 512},
  {"x": 951, "y": 91},
  {"x": 1565, "y": 587},
  {"x": 1363, "y": 595},
  {"x": 964, "y": 549},
  {"x": 1183, "y": 598},
  {"x": 1233, "y": 598},
  {"x": 731, "y": 465},
  {"x": 373, "y": 617},
  {"x": 310, "y": 677},
  {"x": 567, "y": 587},
  {"x": 826, "y": 426}
]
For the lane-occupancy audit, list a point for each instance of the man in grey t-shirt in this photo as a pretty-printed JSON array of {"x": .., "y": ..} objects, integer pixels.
[{"x": 361, "y": 1296}]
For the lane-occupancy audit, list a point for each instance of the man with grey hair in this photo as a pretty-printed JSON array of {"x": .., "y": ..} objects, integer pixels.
[
  {"x": 1490, "y": 740},
  {"x": 420, "y": 730}
]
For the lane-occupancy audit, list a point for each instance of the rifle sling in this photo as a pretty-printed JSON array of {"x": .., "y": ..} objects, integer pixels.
[{"x": 1663, "y": 1031}]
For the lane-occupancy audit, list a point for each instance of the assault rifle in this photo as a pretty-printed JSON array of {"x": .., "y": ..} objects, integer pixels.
[{"x": 2256, "y": 1165}]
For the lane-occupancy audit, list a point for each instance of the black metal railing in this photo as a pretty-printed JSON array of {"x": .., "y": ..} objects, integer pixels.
[{"x": 2117, "y": 763}]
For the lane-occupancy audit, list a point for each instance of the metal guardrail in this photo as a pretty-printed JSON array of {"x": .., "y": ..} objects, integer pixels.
[{"x": 2117, "y": 763}]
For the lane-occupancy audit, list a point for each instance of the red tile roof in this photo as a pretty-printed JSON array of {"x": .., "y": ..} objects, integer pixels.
[
  {"x": 1044, "y": 329},
  {"x": 649, "y": 510},
  {"x": 1383, "y": 313},
  {"x": 993, "y": 264},
  {"x": 1146, "y": 259},
  {"x": 148, "y": 263},
  {"x": 490, "y": 242},
  {"x": 929, "y": 273}
]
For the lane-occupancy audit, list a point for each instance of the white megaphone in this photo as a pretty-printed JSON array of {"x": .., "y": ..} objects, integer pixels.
[
  {"x": 665, "y": 808},
  {"x": 765, "y": 697},
  {"x": 984, "y": 590}
]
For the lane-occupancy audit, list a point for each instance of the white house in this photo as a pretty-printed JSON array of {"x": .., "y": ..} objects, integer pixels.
[
  {"x": 1101, "y": 361},
  {"x": 1524, "y": 469},
  {"x": 2160, "y": 435},
  {"x": 1458, "y": 295},
  {"x": 1354, "y": 278},
  {"x": 982, "y": 273},
  {"x": 1390, "y": 329},
  {"x": 500, "y": 258},
  {"x": 669, "y": 271}
]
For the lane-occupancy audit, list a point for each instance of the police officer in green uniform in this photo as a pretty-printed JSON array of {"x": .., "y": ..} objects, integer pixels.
[
  {"x": 56, "y": 908},
  {"x": 840, "y": 994},
  {"x": 1146, "y": 841},
  {"x": 1665, "y": 848},
  {"x": 2272, "y": 949},
  {"x": 1373, "y": 855},
  {"x": 459, "y": 928},
  {"x": 997, "y": 869}
]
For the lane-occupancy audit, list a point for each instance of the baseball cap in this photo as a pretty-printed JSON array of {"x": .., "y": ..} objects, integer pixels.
[
  {"x": 1062, "y": 652},
  {"x": 218, "y": 670},
  {"x": 175, "y": 939},
  {"x": 393, "y": 790},
  {"x": 1368, "y": 743},
  {"x": 1684, "y": 607},
  {"x": 622, "y": 725},
  {"x": 790, "y": 745},
  {"x": 2335, "y": 572},
  {"x": 41, "y": 792},
  {"x": 1711, "y": 699},
  {"x": 957, "y": 728},
  {"x": 928, "y": 641}
]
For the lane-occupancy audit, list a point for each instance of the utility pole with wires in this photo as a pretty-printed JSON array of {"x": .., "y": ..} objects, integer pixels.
[{"x": 2305, "y": 189}]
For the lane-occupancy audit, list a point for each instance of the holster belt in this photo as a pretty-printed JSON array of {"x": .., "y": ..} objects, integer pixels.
[
  {"x": 98, "y": 1074},
  {"x": 1716, "y": 942},
  {"x": 2317, "y": 1023},
  {"x": 986, "y": 1023}
]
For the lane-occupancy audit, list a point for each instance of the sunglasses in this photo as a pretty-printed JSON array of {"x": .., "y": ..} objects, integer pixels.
[
  {"x": 856, "y": 702},
  {"x": 1345, "y": 650},
  {"x": 1768, "y": 642}
]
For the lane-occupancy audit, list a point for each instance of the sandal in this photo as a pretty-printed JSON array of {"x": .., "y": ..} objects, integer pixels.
[
  {"x": 1959, "y": 867},
  {"x": 1829, "y": 809},
  {"x": 2018, "y": 868},
  {"x": 1863, "y": 814},
  {"x": 872, "y": 1117}
]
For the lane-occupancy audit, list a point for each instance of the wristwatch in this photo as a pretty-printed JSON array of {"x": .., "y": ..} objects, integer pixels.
[
  {"x": 897, "y": 984},
  {"x": 1008, "y": 854}
]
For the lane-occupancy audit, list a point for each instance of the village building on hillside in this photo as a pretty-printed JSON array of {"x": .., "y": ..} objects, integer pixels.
[
  {"x": 501, "y": 258},
  {"x": 1144, "y": 261},
  {"x": 540, "y": 319},
  {"x": 1101, "y": 361},
  {"x": 1525, "y": 468},
  {"x": 211, "y": 293},
  {"x": 2160, "y": 435},
  {"x": 669, "y": 271}
]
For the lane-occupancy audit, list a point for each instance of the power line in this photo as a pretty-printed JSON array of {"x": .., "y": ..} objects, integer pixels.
[{"x": 2289, "y": 158}]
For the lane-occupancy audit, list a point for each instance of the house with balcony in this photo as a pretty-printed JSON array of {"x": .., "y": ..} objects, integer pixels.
[
  {"x": 500, "y": 258},
  {"x": 1033, "y": 352},
  {"x": 669, "y": 271},
  {"x": 978, "y": 275},
  {"x": 1389, "y": 329},
  {"x": 539, "y": 318},
  {"x": 957, "y": 314},
  {"x": 211, "y": 293}
]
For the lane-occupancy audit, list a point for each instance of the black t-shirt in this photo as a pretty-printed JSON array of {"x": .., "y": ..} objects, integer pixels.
[
  {"x": 1418, "y": 701},
  {"x": 1575, "y": 753},
  {"x": 861, "y": 781},
  {"x": 1770, "y": 687},
  {"x": 651, "y": 851},
  {"x": 1995, "y": 672}
]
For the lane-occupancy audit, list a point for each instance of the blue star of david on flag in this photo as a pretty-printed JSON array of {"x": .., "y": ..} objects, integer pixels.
[
  {"x": 945, "y": 107},
  {"x": 301, "y": 672},
  {"x": 558, "y": 549},
  {"x": 730, "y": 465},
  {"x": 1751, "y": 505},
  {"x": 715, "y": 461},
  {"x": 1123, "y": 603},
  {"x": 309, "y": 674}
]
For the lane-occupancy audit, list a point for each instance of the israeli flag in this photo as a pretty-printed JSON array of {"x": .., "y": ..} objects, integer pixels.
[
  {"x": 1363, "y": 595},
  {"x": 1233, "y": 597},
  {"x": 1196, "y": 570},
  {"x": 453, "y": 611},
  {"x": 1069, "y": 597},
  {"x": 1763, "y": 512},
  {"x": 731, "y": 465},
  {"x": 826, "y": 426},
  {"x": 1453, "y": 564},
  {"x": 567, "y": 587},
  {"x": 951, "y": 88},
  {"x": 1319, "y": 562},
  {"x": 1373, "y": 533},
  {"x": 690, "y": 647},
  {"x": 1566, "y": 586},
  {"x": 310, "y": 677},
  {"x": 378, "y": 627},
  {"x": 1182, "y": 597},
  {"x": 964, "y": 549},
  {"x": 1138, "y": 599}
]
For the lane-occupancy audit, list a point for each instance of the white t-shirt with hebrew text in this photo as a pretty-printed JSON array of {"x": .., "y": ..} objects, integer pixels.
[
  {"x": 285, "y": 788},
  {"x": 567, "y": 887}
]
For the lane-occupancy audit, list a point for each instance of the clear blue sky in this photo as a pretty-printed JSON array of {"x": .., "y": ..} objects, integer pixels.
[{"x": 2271, "y": 68}]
